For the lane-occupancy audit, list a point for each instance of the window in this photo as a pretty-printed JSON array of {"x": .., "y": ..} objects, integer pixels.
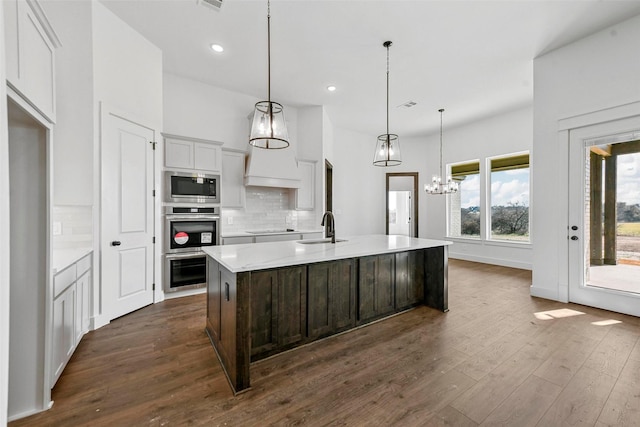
[
  {"x": 464, "y": 209},
  {"x": 510, "y": 198}
]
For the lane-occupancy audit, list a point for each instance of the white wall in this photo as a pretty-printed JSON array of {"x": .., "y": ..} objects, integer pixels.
[
  {"x": 358, "y": 186},
  {"x": 507, "y": 133},
  {"x": 127, "y": 79},
  {"x": 127, "y": 68},
  {"x": 198, "y": 110},
  {"x": 4, "y": 243},
  {"x": 595, "y": 73},
  {"x": 73, "y": 148}
]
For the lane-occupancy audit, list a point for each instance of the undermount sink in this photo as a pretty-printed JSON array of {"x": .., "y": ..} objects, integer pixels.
[{"x": 318, "y": 241}]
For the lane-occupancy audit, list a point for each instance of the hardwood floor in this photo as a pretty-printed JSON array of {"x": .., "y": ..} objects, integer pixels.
[{"x": 494, "y": 359}]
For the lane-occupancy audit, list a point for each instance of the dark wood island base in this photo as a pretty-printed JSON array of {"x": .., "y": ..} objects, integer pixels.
[{"x": 255, "y": 314}]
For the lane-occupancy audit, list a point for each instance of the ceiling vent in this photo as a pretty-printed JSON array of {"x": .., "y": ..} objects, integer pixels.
[
  {"x": 407, "y": 104},
  {"x": 211, "y": 4}
]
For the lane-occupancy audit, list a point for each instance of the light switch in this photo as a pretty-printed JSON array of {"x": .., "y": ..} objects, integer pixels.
[
  {"x": 57, "y": 228},
  {"x": 230, "y": 220}
]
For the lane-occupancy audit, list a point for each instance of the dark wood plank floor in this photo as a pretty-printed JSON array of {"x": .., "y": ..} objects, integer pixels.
[{"x": 495, "y": 359}]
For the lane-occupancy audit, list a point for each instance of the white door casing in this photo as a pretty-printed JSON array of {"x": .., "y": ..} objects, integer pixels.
[
  {"x": 127, "y": 215},
  {"x": 579, "y": 291}
]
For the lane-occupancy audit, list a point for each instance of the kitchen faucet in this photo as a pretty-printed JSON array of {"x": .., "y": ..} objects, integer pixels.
[{"x": 331, "y": 225}]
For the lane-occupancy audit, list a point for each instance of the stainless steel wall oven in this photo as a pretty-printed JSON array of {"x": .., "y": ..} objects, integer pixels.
[{"x": 187, "y": 230}]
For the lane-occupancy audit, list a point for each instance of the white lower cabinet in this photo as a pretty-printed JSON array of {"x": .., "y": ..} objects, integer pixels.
[
  {"x": 64, "y": 338},
  {"x": 71, "y": 313}
]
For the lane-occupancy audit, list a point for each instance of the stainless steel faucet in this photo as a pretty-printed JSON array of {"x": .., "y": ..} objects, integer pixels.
[{"x": 331, "y": 226}]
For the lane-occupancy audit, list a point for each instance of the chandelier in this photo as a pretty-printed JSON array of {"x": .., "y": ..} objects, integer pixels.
[
  {"x": 388, "y": 147},
  {"x": 269, "y": 129},
  {"x": 437, "y": 186}
]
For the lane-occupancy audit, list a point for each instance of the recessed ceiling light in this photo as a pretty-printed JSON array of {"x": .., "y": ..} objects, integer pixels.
[
  {"x": 331, "y": 88},
  {"x": 217, "y": 48}
]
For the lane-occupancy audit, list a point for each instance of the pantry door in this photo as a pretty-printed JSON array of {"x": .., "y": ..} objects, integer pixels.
[
  {"x": 127, "y": 215},
  {"x": 603, "y": 182}
]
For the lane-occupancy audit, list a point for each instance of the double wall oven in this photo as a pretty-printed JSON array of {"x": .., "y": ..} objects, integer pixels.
[{"x": 187, "y": 229}]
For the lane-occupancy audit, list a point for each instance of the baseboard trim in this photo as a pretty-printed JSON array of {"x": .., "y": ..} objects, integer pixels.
[{"x": 494, "y": 261}]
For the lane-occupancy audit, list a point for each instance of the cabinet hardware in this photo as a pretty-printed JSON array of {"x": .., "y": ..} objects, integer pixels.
[
  {"x": 116, "y": 243},
  {"x": 226, "y": 291},
  {"x": 574, "y": 237}
]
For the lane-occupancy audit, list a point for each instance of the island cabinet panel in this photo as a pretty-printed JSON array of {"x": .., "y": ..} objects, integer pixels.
[
  {"x": 331, "y": 298},
  {"x": 213, "y": 300},
  {"x": 410, "y": 279},
  {"x": 318, "y": 292},
  {"x": 264, "y": 311},
  {"x": 278, "y": 310},
  {"x": 436, "y": 285},
  {"x": 292, "y": 305},
  {"x": 228, "y": 318},
  {"x": 376, "y": 285}
]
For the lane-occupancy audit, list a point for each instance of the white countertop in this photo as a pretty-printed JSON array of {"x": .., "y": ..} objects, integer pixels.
[
  {"x": 261, "y": 256},
  {"x": 251, "y": 233},
  {"x": 63, "y": 258}
]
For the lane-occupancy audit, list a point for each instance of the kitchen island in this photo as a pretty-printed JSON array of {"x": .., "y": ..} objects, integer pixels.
[{"x": 266, "y": 298}]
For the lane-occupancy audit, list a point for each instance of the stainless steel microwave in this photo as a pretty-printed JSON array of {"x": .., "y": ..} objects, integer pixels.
[{"x": 191, "y": 187}]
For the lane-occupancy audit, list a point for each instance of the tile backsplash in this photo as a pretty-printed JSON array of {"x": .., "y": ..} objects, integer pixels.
[
  {"x": 267, "y": 208},
  {"x": 73, "y": 226}
]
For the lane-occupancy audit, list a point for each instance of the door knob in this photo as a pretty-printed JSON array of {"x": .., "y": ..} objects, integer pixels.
[
  {"x": 574, "y": 237},
  {"x": 116, "y": 243}
]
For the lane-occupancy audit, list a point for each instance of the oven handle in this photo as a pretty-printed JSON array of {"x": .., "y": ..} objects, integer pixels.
[
  {"x": 185, "y": 255},
  {"x": 202, "y": 217}
]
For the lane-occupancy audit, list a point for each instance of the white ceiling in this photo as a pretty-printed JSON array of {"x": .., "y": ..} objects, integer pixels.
[{"x": 473, "y": 58}]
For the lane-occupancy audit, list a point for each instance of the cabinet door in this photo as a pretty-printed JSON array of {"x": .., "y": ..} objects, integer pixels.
[
  {"x": 178, "y": 154},
  {"x": 207, "y": 157},
  {"x": 233, "y": 192},
  {"x": 409, "y": 279},
  {"x": 228, "y": 303},
  {"x": 264, "y": 311},
  {"x": 292, "y": 304},
  {"x": 375, "y": 287},
  {"x": 82, "y": 306},
  {"x": 63, "y": 336},
  {"x": 213, "y": 299},
  {"x": 320, "y": 313},
  {"x": 30, "y": 56},
  {"x": 305, "y": 195},
  {"x": 343, "y": 295}
]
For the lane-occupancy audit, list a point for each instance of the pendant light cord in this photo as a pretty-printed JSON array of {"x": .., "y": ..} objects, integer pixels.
[
  {"x": 269, "y": 106},
  {"x": 441, "y": 170},
  {"x": 387, "y": 44}
]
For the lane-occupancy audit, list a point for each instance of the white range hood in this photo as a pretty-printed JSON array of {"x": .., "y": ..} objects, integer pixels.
[{"x": 272, "y": 168}]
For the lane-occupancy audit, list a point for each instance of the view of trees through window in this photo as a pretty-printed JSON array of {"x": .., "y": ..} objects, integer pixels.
[{"x": 509, "y": 199}]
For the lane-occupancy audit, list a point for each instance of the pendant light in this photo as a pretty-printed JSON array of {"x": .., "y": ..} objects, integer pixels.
[
  {"x": 269, "y": 129},
  {"x": 388, "y": 146},
  {"x": 437, "y": 186}
]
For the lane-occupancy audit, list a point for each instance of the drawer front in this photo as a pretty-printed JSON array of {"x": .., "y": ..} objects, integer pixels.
[
  {"x": 83, "y": 265},
  {"x": 63, "y": 279}
]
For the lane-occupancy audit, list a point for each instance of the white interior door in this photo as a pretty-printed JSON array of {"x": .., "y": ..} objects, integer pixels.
[
  {"x": 605, "y": 292},
  {"x": 127, "y": 216}
]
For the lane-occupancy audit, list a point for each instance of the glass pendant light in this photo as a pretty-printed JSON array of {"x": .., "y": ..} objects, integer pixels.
[
  {"x": 388, "y": 146},
  {"x": 437, "y": 186},
  {"x": 269, "y": 129}
]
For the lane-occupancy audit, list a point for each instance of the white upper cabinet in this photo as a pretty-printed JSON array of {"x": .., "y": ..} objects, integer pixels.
[
  {"x": 232, "y": 191},
  {"x": 30, "y": 53},
  {"x": 191, "y": 153},
  {"x": 305, "y": 195}
]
